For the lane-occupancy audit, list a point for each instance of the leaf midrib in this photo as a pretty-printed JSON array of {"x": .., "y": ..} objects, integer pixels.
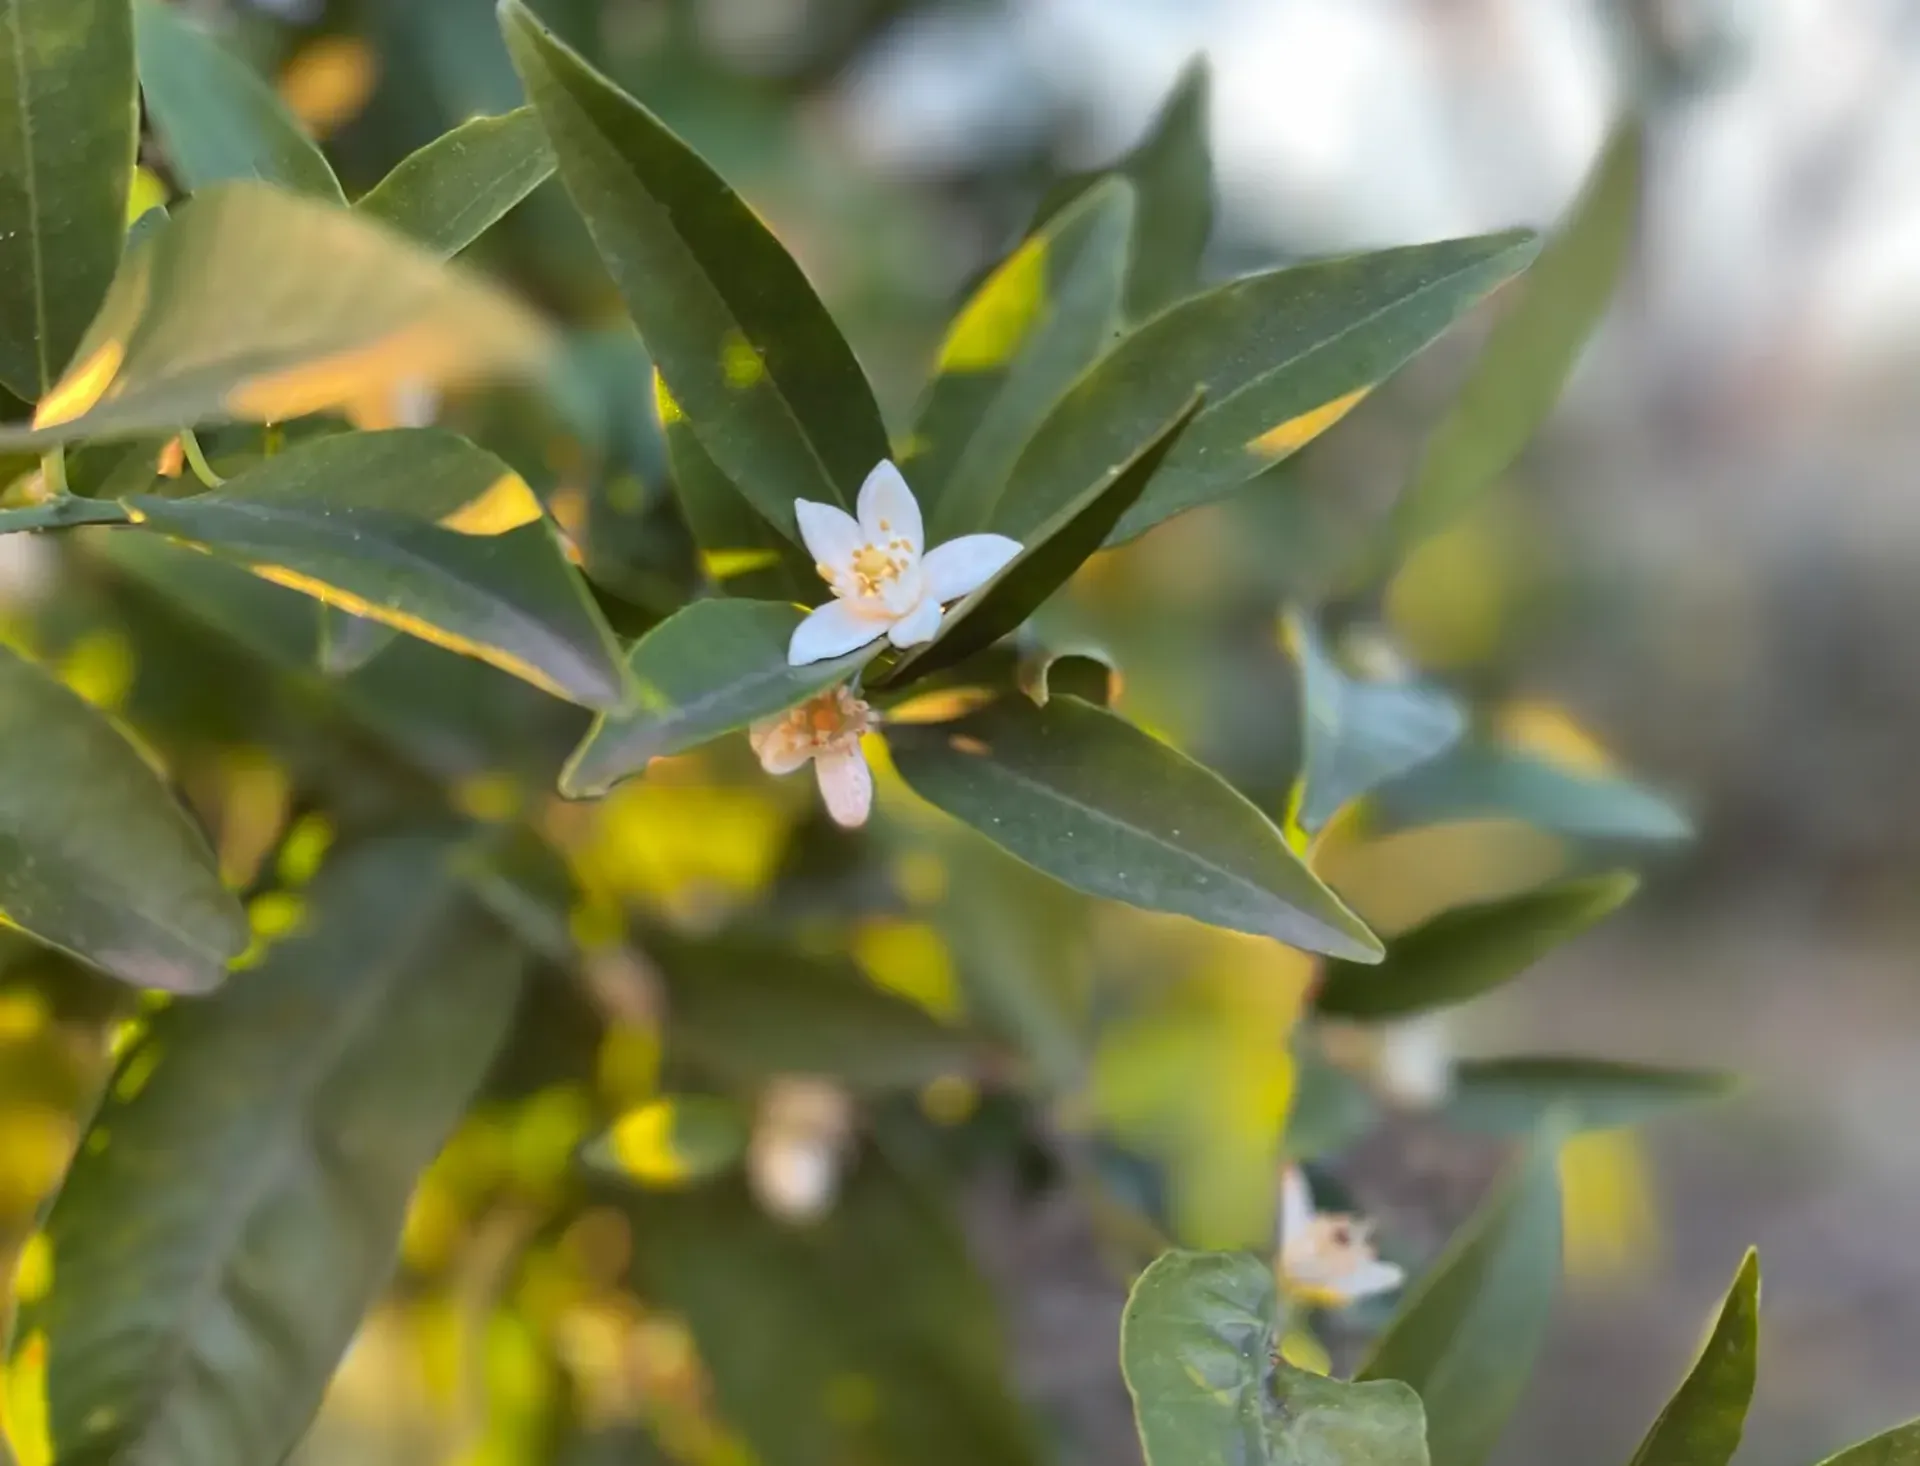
[{"x": 30, "y": 164}]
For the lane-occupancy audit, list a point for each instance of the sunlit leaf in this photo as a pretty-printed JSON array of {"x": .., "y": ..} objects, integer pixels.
[
  {"x": 1463, "y": 953},
  {"x": 259, "y": 305},
  {"x": 69, "y": 118},
  {"x": 459, "y": 186},
  {"x": 243, "y": 1204},
  {"x": 1469, "y": 1332},
  {"x": 715, "y": 667},
  {"x": 752, "y": 357},
  {"x": 1702, "y": 1423},
  {"x": 219, "y": 118},
  {"x": 95, "y": 856},
  {"x": 672, "y": 1141},
  {"x": 1199, "y": 1344},
  {"x": 1511, "y": 1096},
  {"x": 1039, "y": 320},
  {"x": 1094, "y": 802}
]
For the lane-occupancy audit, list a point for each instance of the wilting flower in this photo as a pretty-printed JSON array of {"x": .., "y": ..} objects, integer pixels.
[
  {"x": 883, "y": 585},
  {"x": 825, "y": 729},
  {"x": 1327, "y": 1258}
]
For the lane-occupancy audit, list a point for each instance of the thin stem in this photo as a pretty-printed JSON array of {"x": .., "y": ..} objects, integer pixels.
[
  {"x": 197, "y": 460},
  {"x": 53, "y": 472},
  {"x": 273, "y": 437}
]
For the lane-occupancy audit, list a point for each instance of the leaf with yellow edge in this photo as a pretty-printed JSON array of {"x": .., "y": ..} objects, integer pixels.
[
  {"x": 672, "y": 1141},
  {"x": 253, "y": 304}
]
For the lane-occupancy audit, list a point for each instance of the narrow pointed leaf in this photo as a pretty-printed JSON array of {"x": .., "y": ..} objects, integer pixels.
[
  {"x": 1358, "y": 735},
  {"x": 96, "y": 858},
  {"x": 1468, "y": 1334},
  {"x": 1047, "y": 558},
  {"x": 1481, "y": 780},
  {"x": 1281, "y": 357},
  {"x": 316, "y": 519},
  {"x": 1461, "y": 954},
  {"x": 1199, "y": 1345},
  {"x": 457, "y": 187},
  {"x": 1897, "y": 1447},
  {"x": 713, "y": 668},
  {"x": 1095, "y": 803},
  {"x": 215, "y": 1251},
  {"x": 1702, "y": 1423},
  {"x": 219, "y": 118},
  {"x": 252, "y": 304},
  {"x": 1512, "y": 1096},
  {"x": 69, "y": 121},
  {"x": 752, "y": 357},
  {"x": 1040, "y": 319},
  {"x": 1532, "y": 350}
]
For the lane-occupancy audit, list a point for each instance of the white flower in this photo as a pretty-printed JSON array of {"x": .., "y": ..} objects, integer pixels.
[
  {"x": 883, "y": 585},
  {"x": 801, "y": 1137},
  {"x": 1327, "y": 1259},
  {"x": 825, "y": 729}
]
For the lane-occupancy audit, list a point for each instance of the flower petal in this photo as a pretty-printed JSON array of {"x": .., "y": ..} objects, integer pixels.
[
  {"x": 888, "y": 510},
  {"x": 831, "y": 534},
  {"x": 1296, "y": 1206},
  {"x": 960, "y": 567},
  {"x": 1371, "y": 1278},
  {"x": 780, "y": 747},
  {"x": 846, "y": 783},
  {"x": 831, "y": 631},
  {"x": 918, "y": 625}
]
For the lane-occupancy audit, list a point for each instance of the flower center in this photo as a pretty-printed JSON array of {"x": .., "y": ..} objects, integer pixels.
[
  {"x": 830, "y": 718},
  {"x": 872, "y": 568}
]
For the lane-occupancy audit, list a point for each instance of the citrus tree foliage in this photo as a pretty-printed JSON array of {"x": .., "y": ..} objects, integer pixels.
[{"x": 394, "y": 875}]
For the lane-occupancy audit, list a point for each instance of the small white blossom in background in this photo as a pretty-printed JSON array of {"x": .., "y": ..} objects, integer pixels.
[
  {"x": 1414, "y": 1066},
  {"x": 825, "y": 731},
  {"x": 1327, "y": 1259},
  {"x": 799, "y": 1146},
  {"x": 27, "y": 569},
  {"x": 885, "y": 582}
]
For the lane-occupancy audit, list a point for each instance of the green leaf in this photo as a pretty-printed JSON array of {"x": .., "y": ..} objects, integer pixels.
[
  {"x": 752, "y": 357},
  {"x": 1472, "y": 950},
  {"x": 256, "y": 305},
  {"x": 1481, "y": 780},
  {"x": 1281, "y": 357},
  {"x": 457, "y": 187},
  {"x": 1047, "y": 558},
  {"x": 1095, "y": 803},
  {"x": 1467, "y": 1335},
  {"x": 348, "y": 642},
  {"x": 1897, "y": 1447},
  {"x": 216, "y": 1245},
  {"x": 1199, "y": 1342},
  {"x": 220, "y": 119},
  {"x": 746, "y": 1010},
  {"x": 1358, "y": 735},
  {"x": 1511, "y": 1096},
  {"x": 315, "y": 519},
  {"x": 1088, "y": 675},
  {"x": 1702, "y": 1423},
  {"x": 69, "y": 122},
  {"x": 96, "y": 858},
  {"x": 1532, "y": 350},
  {"x": 710, "y": 669},
  {"x": 672, "y": 1141},
  {"x": 863, "y": 1336},
  {"x": 61, "y": 514},
  {"x": 1039, "y": 320}
]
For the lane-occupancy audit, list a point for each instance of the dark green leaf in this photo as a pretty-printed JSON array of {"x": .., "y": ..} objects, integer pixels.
[
  {"x": 1897, "y": 1447},
  {"x": 61, "y": 514},
  {"x": 1198, "y": 1344},
  {"x": 751, "y": 356},
  {"x": 1358, "y": 735},
  {"x": 1481, "y": 780},
  {"x": 459, "y": 186},
  {"x": 1048, "y": 557},
  {"x": 1532, "y": 350},
  {"x": 219, "y": 118},
  {"x": 258, "y": 305},
  {"x": 711, "y": 669},
  {"x": 1280, "y": 356},
  {"x": 215, "y": 1250},
  {"x": 69, "y": 120},
  {"x": 865, "y": 1336},
  {"x": 1095, "y": 803},
  {"x": 314, "y": 519},
  {"x": 1467, "y": 1336},
  {"x": 1702, "y": 1423},
  {"x": 1463, "y": 953},
  {"x": 1038, "y": 321},
  {"x": 96, "y": 858},
  {"x": 1512, "y": 1096}
]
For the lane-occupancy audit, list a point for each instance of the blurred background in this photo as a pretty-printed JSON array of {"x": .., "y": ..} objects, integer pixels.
[{"x": 1708, "y": 561}]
